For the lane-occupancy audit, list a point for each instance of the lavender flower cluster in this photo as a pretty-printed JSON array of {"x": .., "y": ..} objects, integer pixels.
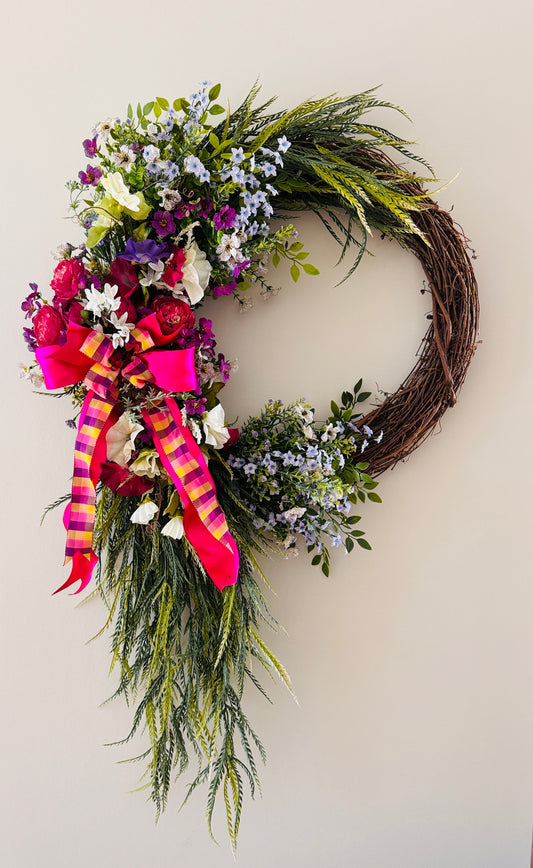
[{"x": 300, "y": 478}]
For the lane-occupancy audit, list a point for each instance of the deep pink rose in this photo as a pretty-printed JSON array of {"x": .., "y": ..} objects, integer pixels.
[
  {"x": 69, "y": 277},
  {"x": 73, "y": 312},
  {"x": 172, "y": 314},
  {"x": 121, "y": 481},
  {"x": 124, "y": 275},
  {"x": 48, "y": 325}
]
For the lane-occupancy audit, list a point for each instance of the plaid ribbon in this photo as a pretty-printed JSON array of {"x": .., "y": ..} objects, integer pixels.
[{"x": 203, "y": 520}]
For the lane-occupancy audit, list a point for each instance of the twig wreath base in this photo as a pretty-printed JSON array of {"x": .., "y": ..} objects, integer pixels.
[{"x": 168, "y": 506}]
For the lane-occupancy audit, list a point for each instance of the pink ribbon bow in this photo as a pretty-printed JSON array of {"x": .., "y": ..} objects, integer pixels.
[{"x": 90, "y": 357}]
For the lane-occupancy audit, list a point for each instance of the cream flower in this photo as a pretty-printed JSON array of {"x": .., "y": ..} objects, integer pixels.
[
  {"x": 174, "y": 528},
  {"x": 121, "y": 440},
  {"x": 144, "y": 513},
  {"x": 196, "y": 273},
  {"x": 216, "y": 433},
  {"x": 114, "y": 185},
  {"x": 146, "y": 464}
]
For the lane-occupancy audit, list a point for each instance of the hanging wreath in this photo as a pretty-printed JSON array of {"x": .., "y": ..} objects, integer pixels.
[{"x": 170, "y": 505}]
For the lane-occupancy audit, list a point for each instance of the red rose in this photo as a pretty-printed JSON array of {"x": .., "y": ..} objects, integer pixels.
[
  {"x": 122, "y": 481},
  {"x": 172, "y": 314},
  {"x": 124, "y": 275},
  {"x": 127, "y": 307},
  {"x": 69, "y": 277},
  {"x": 174, "y": 270},
  {"x": 48, "y": 325}
]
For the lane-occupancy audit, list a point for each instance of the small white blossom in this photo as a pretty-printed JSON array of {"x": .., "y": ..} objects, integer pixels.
[
  {"x": 123, "y": 329},
  {"x": 174, "y": 528},
  {"x": 144, "y": 513},
  {"x": 152, "y": 273},
  {"x": 120, "y": 439},
  {"x": 169, "y": 198},
  {"x": 228, "y": 247},
  {"x": 33, "y": 374},
  {"x": 102, "y": 302},
  {"x": 125, "y": 158}
]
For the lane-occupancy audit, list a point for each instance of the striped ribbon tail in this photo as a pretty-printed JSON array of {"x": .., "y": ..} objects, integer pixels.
[
  {"x": 203, "y": 520},
  {"x": 97, "y": 415}
]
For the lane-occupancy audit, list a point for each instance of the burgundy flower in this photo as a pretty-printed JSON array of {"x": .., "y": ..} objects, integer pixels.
[
  {"x": 89, "y": 146},
  {"x": 48, "y": 325},
  {"x": 205, "y": 206},
  {"x": 127, "y": 307},
  {"x": 73, "y": 312},
  {"x": 91, "y": 177},
  {"x": 69, "y": 277},
  {"x": 163, "y": 223},
  {"x": 121, "y": 481},
  {"x": 124, "y": 275},
  {"x": 172, "y": 314},
  {"x": 174, "y": 270}
]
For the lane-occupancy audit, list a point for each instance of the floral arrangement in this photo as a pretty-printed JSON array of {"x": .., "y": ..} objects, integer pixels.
[{"x": 171, "y": 506}]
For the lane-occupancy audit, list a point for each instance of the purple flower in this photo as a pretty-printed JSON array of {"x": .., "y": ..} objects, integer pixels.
[
  {"x": 195, "y": 406},
  {"x": 225, "y": 218},
  {"x": 225, "y": 368},
  {"x": 91, "y": 176},
  {"x": 163, "y": 223},
  {"x": 89, "y": 146},
  {"x": 30, "y": 303},
  {"x": 29, "y": 337},
  {"x": 224, "y": 290},
  {"x": 205, "y": 206},
  {"x": 145, "y": 251},
  {"x": 185, "y": 209},
  {"x": 241, "y": 266}
]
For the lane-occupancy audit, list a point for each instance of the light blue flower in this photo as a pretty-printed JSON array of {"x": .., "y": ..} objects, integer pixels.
[
  {"x": 250, "y": 468},
  {"x": 237, "y": 175},
  {"x": 269, "y": 170},
  {"x": 283, "y": 144},
  {"x": 193, "y": 165},
  {"x": 237, "y": 155},
  {"x": 272, "y": 190}
]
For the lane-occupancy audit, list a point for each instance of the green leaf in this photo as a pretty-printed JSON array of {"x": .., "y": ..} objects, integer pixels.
[
  {"x": 303, "y": 255},
  {"x": 214, "y": 92},
  {"x": 180, "y": 104},
  {"x": 217, "y": 109},
  {"x": 346, "y": 399},
  {"x": 148, "y": 108},
  {"x": 295, "y": 272},
  {"x": 157, "y": 110},
  {"x": 164, "y": 103},
  {"x": 362, "y": 465},
  {"x": 214, "y": 140},
  {"x": 130, "y": 110},
  {"x": 375, "y": 498},
  {"x": 364, "y": 544},
  {"x": 276, "y": 259},
  {"x": 310, "y": 269},
  {"x": 316, "y": 560},
  {"x": 357, "y": 386},
  {"x": 325, "y": 569},
  {"x": 353, "y": 519},
  {"x": 139, "y": 111},
  {"x": 363, "y": 396},
  {"x": 349, "y": 544},
  {"x": 294, "y": 248}
]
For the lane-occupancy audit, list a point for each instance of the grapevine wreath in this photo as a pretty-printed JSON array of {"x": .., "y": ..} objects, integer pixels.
[{"x": 169, "y": 507}]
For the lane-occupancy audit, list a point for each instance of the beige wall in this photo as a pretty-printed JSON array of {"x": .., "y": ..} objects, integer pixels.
[{"x": 411, "y": 745}]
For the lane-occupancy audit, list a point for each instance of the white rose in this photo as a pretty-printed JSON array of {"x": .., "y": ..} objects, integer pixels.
[
  {"x": 216, "y": 433},
  {"x": 115, "y": 186},
  {"x": 196, "y": 273}
]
